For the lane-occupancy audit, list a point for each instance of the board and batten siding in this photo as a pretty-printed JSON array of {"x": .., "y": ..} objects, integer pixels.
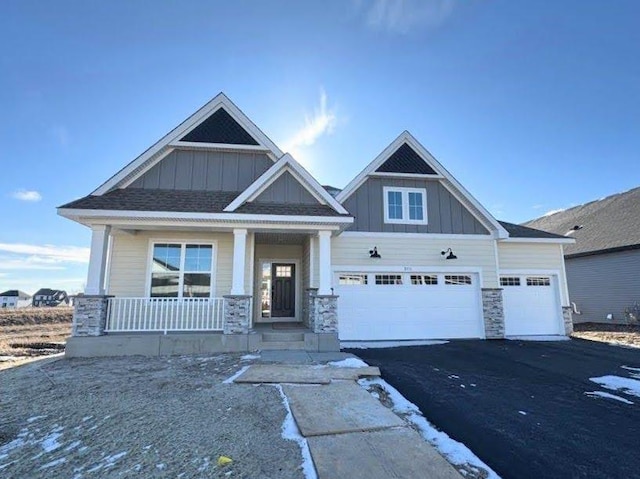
[
  {"x": 445, "y": 214},
  {"x": 424, "y": 253},
  {"x": 129, "y": 261},
  {"x": 286, "y": 189},
  {"x": 604, "y": 284},
  {"x": 200, "y": 170},
  {"x": 534, "y": 256}
]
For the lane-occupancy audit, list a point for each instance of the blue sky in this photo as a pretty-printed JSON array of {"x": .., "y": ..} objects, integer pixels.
[{"x": 533, "y": 106}]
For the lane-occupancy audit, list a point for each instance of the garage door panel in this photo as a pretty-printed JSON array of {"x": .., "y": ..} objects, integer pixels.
[
  {"x": 406, "y": 311},
  {"x": 531, "y": 306}
]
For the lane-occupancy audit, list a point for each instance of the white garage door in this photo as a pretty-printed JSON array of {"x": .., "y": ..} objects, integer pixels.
[
  {"x": 531, "y": 305},
  {"x": 394, "y": 306}
]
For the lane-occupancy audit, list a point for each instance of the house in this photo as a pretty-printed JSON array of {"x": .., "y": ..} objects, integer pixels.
[
  {"x": 603, "y": 266},
  {"x": 217, "y": 234},
  {"x": 50, "y": 297},
  {"x": 14, "y": 298}
]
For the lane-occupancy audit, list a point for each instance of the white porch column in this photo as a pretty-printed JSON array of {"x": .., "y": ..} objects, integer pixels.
[
  {"x": 239, "y": 252},
  {"x": 97, "y": 259},
  {"x": 325, "y": 262}
]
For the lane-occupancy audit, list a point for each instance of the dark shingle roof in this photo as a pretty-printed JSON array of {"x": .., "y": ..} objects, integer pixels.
[
  {"x": 406, "y": 160},
  {"x": 184, "y": 201},
  {"x": 48, "y": 291},
  {"x": 519, "y": 231},
  {"x": 16, "y": 292},
  {"x": 612, "y": 223},
  {"x": 220, "y": 127},
  {"x": 140, "y": 199}
]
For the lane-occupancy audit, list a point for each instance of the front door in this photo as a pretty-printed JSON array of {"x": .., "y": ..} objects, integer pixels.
[{"x": 283, "y": 293}]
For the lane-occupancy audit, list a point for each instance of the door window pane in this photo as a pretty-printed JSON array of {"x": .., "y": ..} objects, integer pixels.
[{"x": 265, "y": 291}]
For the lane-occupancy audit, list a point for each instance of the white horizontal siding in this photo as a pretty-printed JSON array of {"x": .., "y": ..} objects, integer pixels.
[
  {"x": 532, "y": 257},
  {"x": 128, "y": 271},
  {"x": 410, "y": 252}
]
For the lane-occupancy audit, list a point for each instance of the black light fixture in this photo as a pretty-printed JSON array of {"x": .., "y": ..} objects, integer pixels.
[
  {"x": 373, "y": 253},
  {"x": 450, "y": 255}
]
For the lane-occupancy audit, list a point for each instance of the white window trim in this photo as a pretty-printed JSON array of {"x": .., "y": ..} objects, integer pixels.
[
  {"x": 182, "y": 243},
  {"x": 405, "y": 205}
]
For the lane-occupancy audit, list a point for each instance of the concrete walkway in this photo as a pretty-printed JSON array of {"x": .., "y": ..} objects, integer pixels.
[{"x": 350, "y": 433}]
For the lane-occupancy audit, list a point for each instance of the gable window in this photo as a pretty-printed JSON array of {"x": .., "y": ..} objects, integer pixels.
[
  {"x": 181, "y": 270},
  {"x": 405, "y": 205}
]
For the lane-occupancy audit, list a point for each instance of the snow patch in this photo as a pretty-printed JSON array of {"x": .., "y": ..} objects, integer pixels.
[
  {"x": 522, "y": 412},
  {"x": 635, "y": 372},
  {"x": 53, "y": 463},
  {"x": 539, "y": 338},
  {"x": 291, "y": 432},
  {"x": 617, "y": 383},
  {"x": 230, "y": 379},
  {"x": 50, "y": 443},
  {"x": 602, "y": 394},
  {"x": 35, "y": 418},
  {"x": 349, "y": 363},
  {"x": 249, "y": 357},
  {"x": 455, "y": 452},
  {"x": 387, "y": 344}
]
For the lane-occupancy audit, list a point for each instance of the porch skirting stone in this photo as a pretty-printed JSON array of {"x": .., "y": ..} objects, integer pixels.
[
  {"x": 323, "y": 313},
  {"x": 237, "y": 314},
  {"x": 567, "y": 316},
  {"x": 90, "y": 315},
  {"x": 493, "y": 313}
]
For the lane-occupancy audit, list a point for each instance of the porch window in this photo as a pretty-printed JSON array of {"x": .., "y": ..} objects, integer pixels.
[{"x": 181, "y": 270}]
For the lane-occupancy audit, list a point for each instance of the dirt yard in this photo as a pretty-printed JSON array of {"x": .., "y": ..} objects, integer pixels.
[
  {"x": 608, "y": 333},
  {"x": 141, "y": 417},
  {"x": 30, "y": 332}
]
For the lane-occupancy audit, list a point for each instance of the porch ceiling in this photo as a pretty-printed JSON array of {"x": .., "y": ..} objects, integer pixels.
[{"x": 280, "y": 238}]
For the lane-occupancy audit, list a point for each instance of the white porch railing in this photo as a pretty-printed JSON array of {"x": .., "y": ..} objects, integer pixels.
[{"x": 165, "y": 314}]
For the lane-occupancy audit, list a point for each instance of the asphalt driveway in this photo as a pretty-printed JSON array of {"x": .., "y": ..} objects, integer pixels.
[{"x": 521, "y": 406}]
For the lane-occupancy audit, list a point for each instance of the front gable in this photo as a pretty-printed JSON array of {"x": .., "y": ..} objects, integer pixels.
[
  {"x": 220, "y": 127},
  {"x": 286, "y": 190},
  {"x": 406, "y": 190}
]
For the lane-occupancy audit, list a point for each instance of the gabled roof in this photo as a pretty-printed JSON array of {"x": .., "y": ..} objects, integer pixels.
[
  {"x": 401, "y": 155},
  {"x": 606, "y": 225},
  {"x": 214, "y": 127},
  {"x": 49, "y": 292},
  {"x": 16, "y": 293},
  {"x": 519, "y": 231},
  {"x": 286, "y": 164}
]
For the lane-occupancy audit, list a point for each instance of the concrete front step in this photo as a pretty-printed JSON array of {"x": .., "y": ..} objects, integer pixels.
[
  {"x": 270, "y": 345},
  {"x": 283, "y": 336}
]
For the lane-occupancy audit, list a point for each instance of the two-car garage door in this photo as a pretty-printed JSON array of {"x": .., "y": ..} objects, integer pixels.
[{"x": 408, "y": 305}]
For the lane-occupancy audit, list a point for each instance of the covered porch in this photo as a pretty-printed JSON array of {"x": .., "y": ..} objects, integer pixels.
[{"x": 199, "y": 283}]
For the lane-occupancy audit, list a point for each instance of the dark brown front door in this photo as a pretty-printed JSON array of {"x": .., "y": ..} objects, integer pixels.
[{"x": 283, "y": 294}]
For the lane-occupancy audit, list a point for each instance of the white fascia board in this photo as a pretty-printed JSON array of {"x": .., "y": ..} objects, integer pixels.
[
  {"x": 406, "y": 137},
  {"x": 538, "y": 240},
  {"x": 413, "y": 176},
  {"x": 286, "y": 163},
  {"x": 76, "y": 214},
  {"x": 220, "y": 100},
  {"x": 423, "y": 236},
  {"x": 193, "y": 145}
]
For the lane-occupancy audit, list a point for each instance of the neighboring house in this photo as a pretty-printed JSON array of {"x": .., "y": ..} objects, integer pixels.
[
  {"x": 215, "y": 229},
  {"x": 50, "y": 297},
  {"x": 603, "y": 266},
  {"x": 14, "y": 298}
]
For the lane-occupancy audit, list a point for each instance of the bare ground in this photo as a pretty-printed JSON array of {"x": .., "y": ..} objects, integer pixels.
[
  {"x": 142, "y": 417},
  {"x": 608, "y": 333},
  {"x": 33, "y": 332}
]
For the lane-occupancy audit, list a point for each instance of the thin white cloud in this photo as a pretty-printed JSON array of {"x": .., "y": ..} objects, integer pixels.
[
  {"x": 402, "y": 16},
  {"x": 61, "y": 134},
  {"x": 43, "y": 256},
  {"x": 537, "y": 207},
  {"x": 27, "y": 195},
  {"x": 322, "y": 122}
]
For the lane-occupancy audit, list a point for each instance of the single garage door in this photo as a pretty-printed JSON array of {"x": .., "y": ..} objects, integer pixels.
[
  {"x": 531, "y": 305},
  {"x": 395, "y": 306}
]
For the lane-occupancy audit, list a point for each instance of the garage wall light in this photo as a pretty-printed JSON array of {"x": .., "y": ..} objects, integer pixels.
[
  {"x": 450, "y": 255},
  {"x": 373, "y": 253}
]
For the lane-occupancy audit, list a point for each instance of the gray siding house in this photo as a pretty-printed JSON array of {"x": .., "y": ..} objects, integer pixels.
[{"x": 603, "y": 265}]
